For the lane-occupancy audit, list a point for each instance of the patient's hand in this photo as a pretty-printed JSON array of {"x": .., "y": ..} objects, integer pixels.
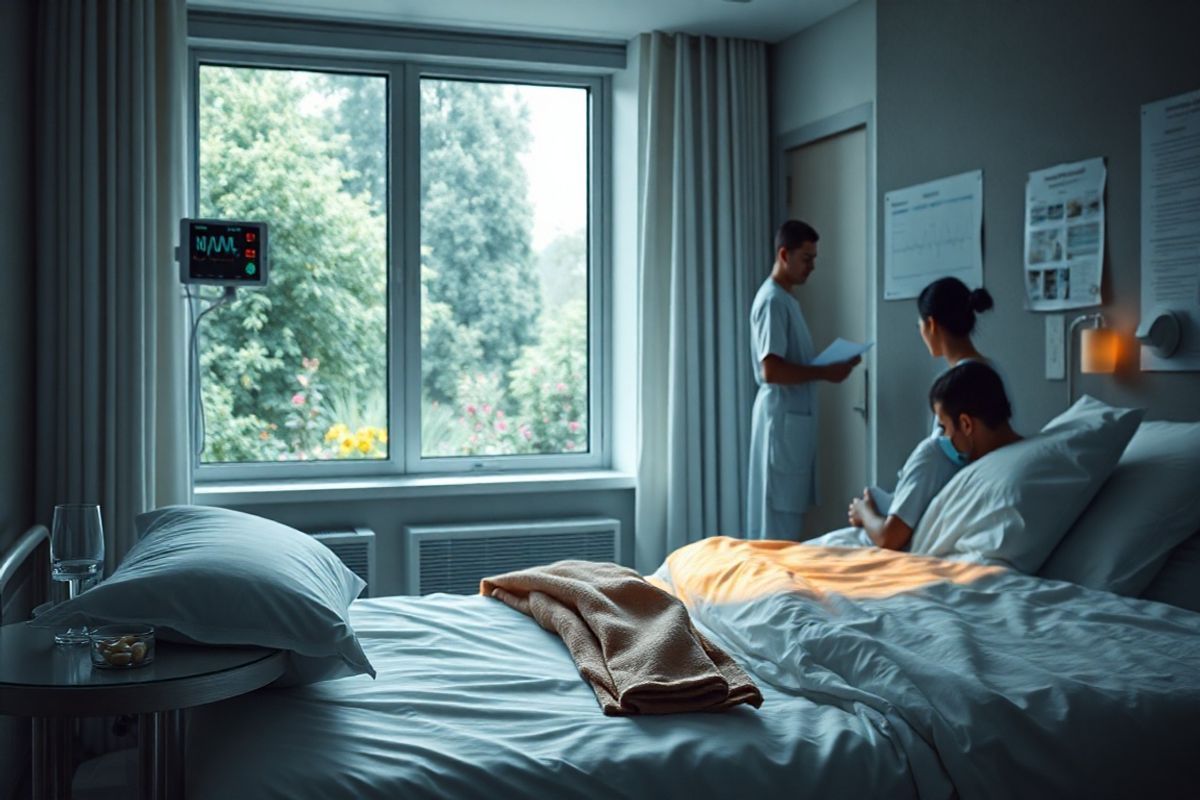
[{"x": 860, "y": 506}]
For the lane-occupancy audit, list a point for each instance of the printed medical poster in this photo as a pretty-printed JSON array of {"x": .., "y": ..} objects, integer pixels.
[
  {"x": 1171, "y": 223},
  {"x": 932, "y": 231},
  {"x": 1064, "y": 235}
]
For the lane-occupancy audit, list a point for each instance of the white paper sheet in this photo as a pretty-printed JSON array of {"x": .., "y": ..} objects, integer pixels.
[
  {"x": 841, "y": 350},
  {"x": 933, "y": 231},
  {"x": 1171, "y": 223},
  {"x": 1064, "y": 235}
]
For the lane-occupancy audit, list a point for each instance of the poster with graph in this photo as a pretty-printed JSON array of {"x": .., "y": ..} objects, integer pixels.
[{"x": 932, "y": 231}]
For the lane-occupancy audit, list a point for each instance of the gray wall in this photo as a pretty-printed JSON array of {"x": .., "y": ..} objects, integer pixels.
[
  {"x": 825, "y": 69},
  {"x": 1011, "y": 87},
  {"x": 16, "y": 319}
]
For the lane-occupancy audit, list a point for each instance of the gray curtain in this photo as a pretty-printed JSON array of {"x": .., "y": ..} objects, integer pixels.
[
  {"x": 111, "y": 182},
  {"x": 704, "y": 232}
]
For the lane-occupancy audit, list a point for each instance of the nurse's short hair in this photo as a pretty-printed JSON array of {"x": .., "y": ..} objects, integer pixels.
[
  {"x": 793, "y": 234},
  {"x": 974, "y": 389}
]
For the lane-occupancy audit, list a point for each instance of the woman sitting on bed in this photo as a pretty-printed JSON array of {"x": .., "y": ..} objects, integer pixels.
[
  {"x": 973, "y": 414},
  {"x": 947, "y": 310}
]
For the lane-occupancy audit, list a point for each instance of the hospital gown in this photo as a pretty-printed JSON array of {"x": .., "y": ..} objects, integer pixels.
[{"x": 783, "y": 429}]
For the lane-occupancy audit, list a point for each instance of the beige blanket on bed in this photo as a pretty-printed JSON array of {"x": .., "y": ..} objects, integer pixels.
[{"x": 634, "y": 643}]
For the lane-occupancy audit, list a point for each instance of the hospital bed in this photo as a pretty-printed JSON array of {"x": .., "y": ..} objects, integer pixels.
[{"x": 883, "y": 675}]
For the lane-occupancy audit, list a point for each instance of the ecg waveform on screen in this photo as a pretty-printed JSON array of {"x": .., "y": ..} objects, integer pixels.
[{"x": 215, "y": 245}]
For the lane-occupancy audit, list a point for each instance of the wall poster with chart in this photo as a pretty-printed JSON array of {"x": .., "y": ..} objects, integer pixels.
[
  {"x": 932, "y": 231},
  {"x": 1171, "y": 224},
  {"x": 1064, "y": 235}
]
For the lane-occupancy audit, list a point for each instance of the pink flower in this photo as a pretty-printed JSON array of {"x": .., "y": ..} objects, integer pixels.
[
  {"x": 572, "y": 426},
  {"x": 474, "y": 438},
  {"x": 470, "y": 408},
  {"x": 298, "y": 399},
  {"x": 499, "y": 414},
  {"x": 570, "y": 445},
  {"x": 560, "y": 387},
  {"x": 501, "y": 425},
  {"x": 487, "y": 408},
  {"x": 528, "y": 434}
]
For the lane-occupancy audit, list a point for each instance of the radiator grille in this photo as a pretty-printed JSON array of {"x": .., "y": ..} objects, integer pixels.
[
  {"x": 455, "y": 559},
  {"x": 356, "y": 549}
]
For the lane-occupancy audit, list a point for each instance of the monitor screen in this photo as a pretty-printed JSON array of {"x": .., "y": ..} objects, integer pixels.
[{"x": 223, "y": 252}]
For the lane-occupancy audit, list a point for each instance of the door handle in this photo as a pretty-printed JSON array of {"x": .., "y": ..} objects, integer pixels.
[{"x": 864, "y": 409}]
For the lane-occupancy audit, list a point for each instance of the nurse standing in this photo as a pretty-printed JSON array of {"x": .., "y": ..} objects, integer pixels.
[{"x": 783, "y": 432}]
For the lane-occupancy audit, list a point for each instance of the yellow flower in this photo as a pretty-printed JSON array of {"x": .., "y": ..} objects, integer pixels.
[
  {"x": 335, "y": 432},
  {"x": 364, "y": 445},
  {"x": 382, "y": 434}
]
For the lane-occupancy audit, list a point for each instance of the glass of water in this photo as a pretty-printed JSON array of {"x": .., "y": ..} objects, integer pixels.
[{"x": 76, "y": 554}]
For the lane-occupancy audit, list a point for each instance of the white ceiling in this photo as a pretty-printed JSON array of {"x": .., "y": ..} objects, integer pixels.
[{"x": 769, "y": 20}]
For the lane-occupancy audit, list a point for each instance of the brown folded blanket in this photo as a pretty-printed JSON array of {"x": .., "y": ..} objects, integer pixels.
[{"x": 634, "y": 643}]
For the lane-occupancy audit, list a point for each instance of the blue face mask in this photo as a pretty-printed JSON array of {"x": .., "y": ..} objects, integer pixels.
[{"x": 948, "y": 448}]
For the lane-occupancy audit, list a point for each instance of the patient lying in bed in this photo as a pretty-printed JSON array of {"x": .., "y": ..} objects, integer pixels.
[{"x": 973, "y": 414}]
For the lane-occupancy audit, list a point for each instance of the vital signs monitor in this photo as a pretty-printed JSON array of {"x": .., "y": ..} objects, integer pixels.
[{"x": 223, "y": 252}]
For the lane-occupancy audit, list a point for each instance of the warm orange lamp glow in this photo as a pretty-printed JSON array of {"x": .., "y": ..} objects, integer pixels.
[{"x": 1098, "y": 351}]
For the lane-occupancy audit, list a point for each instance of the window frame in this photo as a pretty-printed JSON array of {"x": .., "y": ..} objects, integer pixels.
[{"x": 403, "y": 268}]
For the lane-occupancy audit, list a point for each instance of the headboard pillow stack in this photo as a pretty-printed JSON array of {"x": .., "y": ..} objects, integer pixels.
[{"x": 1147, "y": 507}]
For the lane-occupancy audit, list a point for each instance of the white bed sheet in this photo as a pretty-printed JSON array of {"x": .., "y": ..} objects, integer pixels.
[
  {"x": 473, "y": 699},
  {"x": 1002, "y": 687}
]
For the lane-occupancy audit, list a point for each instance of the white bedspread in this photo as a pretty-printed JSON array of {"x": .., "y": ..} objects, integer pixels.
[{"x": 1003, "y": 687}]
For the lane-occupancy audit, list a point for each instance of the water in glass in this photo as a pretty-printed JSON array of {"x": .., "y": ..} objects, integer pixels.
[{"x": 76, "y": 554}]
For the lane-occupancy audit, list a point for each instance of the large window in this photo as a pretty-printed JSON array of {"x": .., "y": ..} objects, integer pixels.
[{"x": 461, "y": 335}]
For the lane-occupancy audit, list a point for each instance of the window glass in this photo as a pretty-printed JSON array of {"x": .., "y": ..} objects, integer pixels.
[
  {"x": 504, "y": 269},
  {"x": 298, "y": 371}
]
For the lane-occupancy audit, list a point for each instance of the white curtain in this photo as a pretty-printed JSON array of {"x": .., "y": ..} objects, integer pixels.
[
  {"x": 111, "y": 368},
  {"x": 704, "y": 233}
]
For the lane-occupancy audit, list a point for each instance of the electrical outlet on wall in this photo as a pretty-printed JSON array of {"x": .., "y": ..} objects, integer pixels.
[{"x": 1056, "y": 366}]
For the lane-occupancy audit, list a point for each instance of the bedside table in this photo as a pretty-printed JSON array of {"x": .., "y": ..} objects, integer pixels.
[{"x": 55, "y": 684}]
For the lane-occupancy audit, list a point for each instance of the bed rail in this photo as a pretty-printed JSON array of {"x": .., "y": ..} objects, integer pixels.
[{"x": 30, "y": 542}]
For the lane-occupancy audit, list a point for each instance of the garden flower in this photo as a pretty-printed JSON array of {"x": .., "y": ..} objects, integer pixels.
[
  {"x": 470, "y": 408},
  {"x": 573, "y": 426},
  {"x": 560, "y": 387},
  {"x": 501, "y": 425},
  {"x": 298, "y": 399}
]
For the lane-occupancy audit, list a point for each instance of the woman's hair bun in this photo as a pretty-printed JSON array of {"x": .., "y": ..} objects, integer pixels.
[{"x": 980, "y": 300}]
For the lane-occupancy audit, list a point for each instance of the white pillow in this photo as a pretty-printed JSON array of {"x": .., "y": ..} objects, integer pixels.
[
  {"x": 1178, "y": 583},
  {"x": 1149, "y": 504},
  {"x": 215, "y": 576},
  {"x": 1012, "y": 506}
]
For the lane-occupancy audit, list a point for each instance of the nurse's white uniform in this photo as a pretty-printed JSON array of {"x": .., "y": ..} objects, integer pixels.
[{"x": 783, "y": 430}]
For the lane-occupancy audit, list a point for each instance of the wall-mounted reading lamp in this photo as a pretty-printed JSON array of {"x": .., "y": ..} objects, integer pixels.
[
  {"x": 1098, "y": 349},
  {"x": 1161, "y": 333}
]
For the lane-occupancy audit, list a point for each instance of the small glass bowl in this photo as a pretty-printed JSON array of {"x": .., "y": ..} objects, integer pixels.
[{"x": 122, "y": 646}]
